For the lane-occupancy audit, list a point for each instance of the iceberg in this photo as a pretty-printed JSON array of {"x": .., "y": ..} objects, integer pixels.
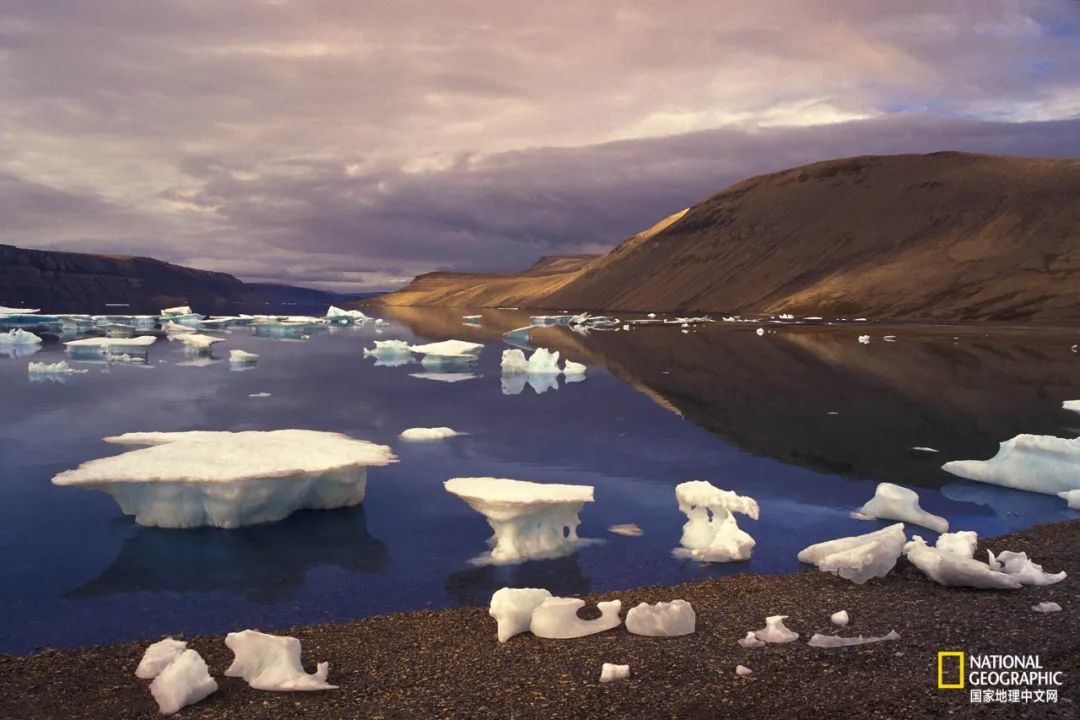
[
  {"x": 242, "y": 357},
  {"x": 18, "y": 336},
  {"x": 1071, "y": 405},
  {"x": 197, "y": 343},
  {"x": 1037, "y": 463},
  {"x": 610, "y": 672},
  {"x": 449, "y": 349},
  {"x": 858, "y": 558},
  {"x": 427, "y": 434},
  {"x": 1046, "y": 607},
  {"x": 840, "y": 618},
  {"x": 230, "y": 479},
  {"x": 57, "y": 368},
  {"x": 172, "y": 328},
  {"x": 530, "y": 520},
  {"x": 513, "y": 608},
  {"x": 118, "y": 330},
  {"x": 99, "y": 346},
  {"x": 18, "y": 311},
  {"x": 391, "y": 353},
  {"x": 1072, "y": 497},
  {"x": 960, "y": 543},
  {"x": 272, "y": 662},
  {"x": 518, "y": 336},
  {"x": 893, "y": 502},
  {"x": 835, "y": 641},
  {"x": 557, "y": 618},
  {"x": 863, "y": 339},
  {"x": 664, "y": 619},
  {"x": 775, "y": 631},
  {"x": 952, "y": 570},
  {"x": 1019, "y": 566},
  {"x": 184, "y": 681},
  {"x": 158, "y": 656},
  {"x": 542, "y": 362},
  {"x": 178, "y": 310},
  {"x": 345, "y": 317},
  {"x": 711, "y": 533}
]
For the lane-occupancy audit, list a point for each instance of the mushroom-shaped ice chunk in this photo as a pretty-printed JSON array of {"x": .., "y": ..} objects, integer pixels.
[
  {"x": 711, "y": 533},
  {"x": 775, "y": 631},
  {"x": 556, "y": 618},
  {"x": 272, "y": 662}
]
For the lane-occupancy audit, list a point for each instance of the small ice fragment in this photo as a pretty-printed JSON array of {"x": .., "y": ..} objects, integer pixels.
[
  {"x": 664, "y": 619},
  {"x": 512, "y": 609},
  {"x": 893, "y": 502},
  {"x": 651, "y": 315},
  {"x": 835, "y": 641},
  {"x": 427, "y": 434},
  {"x": 832, "y": 412},
  {"x": 611, "y": 672},
  {"x": 952, "y": 570},
  {"x": 840, "y": 618},
  {"x": 272, "y": 662},
  {"x": 961, "y": 543},
  {"x": 573, "y": 368},
  {"x": 922, "y": 448},
  {"x": 858, "y": 558},
  {"x": 743, "y": 671},
  {"x": 557, "y": 618},
  {"x": 889, "y": 338},
  {"x": 864, "y": 339},
  {"x": 711, "y": 533},
  {"x": 775, "y": 631},
  {"x": 759, "y": 332},
  {"x": 1017, "y": 564},
  {"x": 627, "y": 529},
  {"x": 242, "y": 357},
  {"x": 259, "y": 395},
  {"x": 751, "y": 640},
  {"x": 1046, "y": 607},
  {"x": 184, "y": 681},
  {"x": 157, "y": 656}
]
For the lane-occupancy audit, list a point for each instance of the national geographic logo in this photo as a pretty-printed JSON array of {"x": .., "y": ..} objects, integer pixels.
[
  {"x": 950, "y": 666},
  {"x": 998, "y": 678}
]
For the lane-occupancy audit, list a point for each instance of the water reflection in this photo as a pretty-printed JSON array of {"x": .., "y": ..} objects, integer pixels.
[{"x": 562, "y": 576}]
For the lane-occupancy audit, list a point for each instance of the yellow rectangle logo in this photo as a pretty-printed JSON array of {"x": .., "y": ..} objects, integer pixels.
[{"x": 959, "y": 655}]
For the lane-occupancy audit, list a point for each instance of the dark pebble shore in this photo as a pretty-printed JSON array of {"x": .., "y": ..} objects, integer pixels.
[{"x": 448, "y": 663}]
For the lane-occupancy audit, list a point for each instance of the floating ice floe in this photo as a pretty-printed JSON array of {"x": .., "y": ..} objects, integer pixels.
[
  {"x": 448, "y": 351},
  {"x": 471, "y": 319},
  {"x": 751, "y": 641},
  {"x": 610, "y": 672},
  {"x": 858, "y": 558},
  {"x": 242, "y": 357},
  {"x": 961, "y": 543},
  {"x": 627, "y": 529},
  {"x": 893, "y": 502},
  {"x": 513, "y": 608},
  {"x": 1071, "y": 405},
  {"x": 1046, "y": 607},
  {"x": 178, "y": 310},
  {"x": 157, "y": 656},
  {"x": 542, "y": 362},
  {"x": 922, "y": 448},
  {"x": 426, "y": 434},
  {"x": 57, "y": 368},
  {"x": 18, "y": 336},
  {"x": 573, "y": 371},
  {"x": 184, "y": 681},
  {"x": 390, "y": 353},
  {"x": 1072, "y": 497},
  {"x": 172, "y": 328},
  {"x": 835, "y": 641},
  {"x": 18, "y": 311},
  {"x": 775, "y": 631},
  {"x": 530, "y": 520},
  {"x": 663, "y": 619},
  {"x": 272, "y": 662},
  {"x": 952, "y": 570},
  {"x": 258, "y": 395},
  {"x": 840, "y": 619},
  {"x": 345, "y": 317},
  {"x": 889, "y": 338},
  {"x": 1037, "y": 463},
  {"x": 1019, "y": 566},
  {"x": 863, "y": 339},
  {"x": 557, "y": 618},
  {"x": 99, "y": 346},
  {"x": 743, "y": 671},
  {"x": 230, "y": 479},
  {"x": 711, "y": 533},
  {"x": 197, "y": 342}
]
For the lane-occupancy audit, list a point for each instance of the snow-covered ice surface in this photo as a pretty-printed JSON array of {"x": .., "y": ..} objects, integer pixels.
[
  {"x": 531, "y": 521},
  {"x": 835, "y": 641},
  {"x": 711, "y": 533},
  {"x": 157, "y": 656},
  {"x": 556, "y": 618},
  {"x": 272, "y": 662},
  {"x": 419, "y": 434},
  {"x": 513, "y": 608},
  {"x": 952, "y": 570},
  {"x": 858, "y": 558},
  {"x": 184, "y": 681},
  {"x": 893, "y": 502},
  {"x": 662, "y": 619},
  {"x": 1037, "y": 463},
  {"x": 230, "y": 479},
  {"x": 610, "y": 672},
  {"x": 775, "y": 631}
]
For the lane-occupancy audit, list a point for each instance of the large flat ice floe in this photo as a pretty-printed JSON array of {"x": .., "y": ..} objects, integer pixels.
[
  {"x": 196, "y": 342},
  {"x": 184, "y": 681},
  {"x": 272, "y": 662},
  {"x": 557, "y": 618},
  {"x": 449, "y": 349},
  {"x": 98, "y": 346},
  {"x": 513, "y": 608},
  {"x": 858, "y": 558},
  {"x": 531, "y": 521},
  {"x": 893, "y": 502},
  {"x": 230, "y": 479},
  {"x": 663, "y": 619},
  {"x": 711, "y": 533},
  {"x": 1037, "y": 463}
]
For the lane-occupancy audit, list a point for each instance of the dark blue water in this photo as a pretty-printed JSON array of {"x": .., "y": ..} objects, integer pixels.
[{"x": 75, "y": 571}]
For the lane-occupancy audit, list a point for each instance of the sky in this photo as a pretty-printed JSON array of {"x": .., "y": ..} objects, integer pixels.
[{"x": 351, "y": 144}]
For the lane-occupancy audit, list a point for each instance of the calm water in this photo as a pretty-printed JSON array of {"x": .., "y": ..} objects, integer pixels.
[{"x": 658, "y": 407}]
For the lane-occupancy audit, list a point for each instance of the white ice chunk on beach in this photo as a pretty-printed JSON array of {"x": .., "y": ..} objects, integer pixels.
[
  {"x": 184, "y": 681},
  {"x": 952, "y": 570},
  {"x": 962, "y": 543},
  {"x": 860, "y": 557},
  {"x": 427, "y": 434},
  {"x": 1037, "y": 463},
  {"x": 610, "y": 672},
  {"x": 836, "y": 641},
  {"x": 242, "y": 357},
  {"x": 20, "y": 337},
  {"x": 743, "y": 671},
  {"x": 272, "y": 662},
  {"x": 557, "y": 618},
  {"x": 196, "y": 342},
  {"x": 157, "y": 656},
  {"x": 230, "y": 479},
  {"x": 57, "y": 368},
  {"x": 711, "y": 533},
  {"x": 513, "y": 608},
  {"x": 1046, "y": 607},
  {"x": 775, "y": 631},
  {"x": 840, "y": 619},
  {"x": 1019, "y": 566},
  {"x": 530, "y": 520},
  {"x": 893, "y": 502},
  {"x": 663, "y": 619},
  {"x": 1072, "y": 497},
  {"x": 751, "y": 640}
]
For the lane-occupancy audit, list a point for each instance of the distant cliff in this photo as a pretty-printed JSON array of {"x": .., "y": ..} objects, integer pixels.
[{"x": 81, "y": 282}]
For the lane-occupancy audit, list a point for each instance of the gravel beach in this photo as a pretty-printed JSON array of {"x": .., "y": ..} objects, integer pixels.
[{"x": 448, "y": 664}]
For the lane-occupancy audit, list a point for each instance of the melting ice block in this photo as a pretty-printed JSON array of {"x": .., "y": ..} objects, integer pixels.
[
  {"x": 272, "y": 662},
  {"x": 531, "y": 520},
  {"x": 513, "y": 608},
  {"x": 541, "y": 362},
  {"x": 158, "y": 656},
  {"x": 751, "y": 641},
  {"x": 56, "y": 368},
  {"x": 98, "y": 346},
  {"x": 892, "y": 502},
  {"x": 556, "y": 618},
  {"x": 840, "y": 618},
  {"x": 711, "y": 533},
  {"x": 427, "y": 434},
  {"x": 1037, "y": 463},
  {"x": 230, "y": 479},
  {"x": 1019, "y": 566},
  {"x": 19, "y": 336},
  {"x": 961, "y": 543},
  {"x": 775, "y": 631},
  {"x": 184, "y": 681},
  {"x": 242, "y": 357},
  {"x": 835, "y": 641},
  {"x": 178, "y": 310},
  {"x": 172, "y": 328},
  {"x": 664, "y": 619},
  {"x": 611, "y": 672},
  {"x": 948, "y": 568},
  {"x": 858, "y": 558}
]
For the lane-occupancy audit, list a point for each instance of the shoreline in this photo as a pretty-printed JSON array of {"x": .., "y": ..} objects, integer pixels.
[{"x": 448, "y": 663}]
